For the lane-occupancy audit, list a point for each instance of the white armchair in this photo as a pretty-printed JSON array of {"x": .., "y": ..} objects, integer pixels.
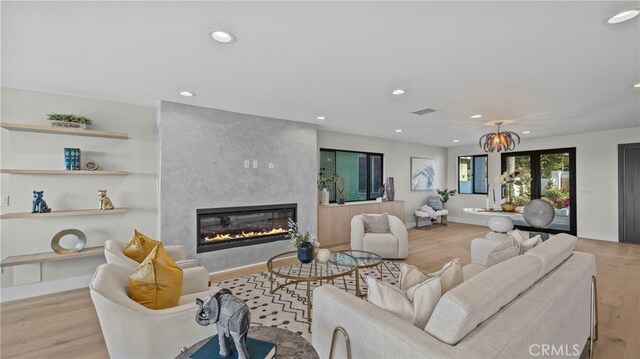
[
  {"x": 131, "y": 330},
  {"x": 195, "y": 277},
  {"x": 393, "y": 245}
]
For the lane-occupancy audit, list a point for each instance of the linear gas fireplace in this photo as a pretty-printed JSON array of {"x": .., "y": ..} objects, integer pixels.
[{"x": 222, "y": 228}]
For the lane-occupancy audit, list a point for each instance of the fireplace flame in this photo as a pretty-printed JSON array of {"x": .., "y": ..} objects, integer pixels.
[{"x": 220, "y": 237}]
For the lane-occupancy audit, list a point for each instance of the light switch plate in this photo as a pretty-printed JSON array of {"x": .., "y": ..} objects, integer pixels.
[
  {"x": 255, "y": 164},
  {"x": 5, "y": 201},
  {"x": 247, "y": 164}
]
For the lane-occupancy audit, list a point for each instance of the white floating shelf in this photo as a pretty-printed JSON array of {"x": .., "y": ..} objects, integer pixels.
[
  {"x": 50, "y": 257},
  {"x": 20, "y": 171},
  {"x": 81, "y": 212},
  {"x": 63, "y": 131}
]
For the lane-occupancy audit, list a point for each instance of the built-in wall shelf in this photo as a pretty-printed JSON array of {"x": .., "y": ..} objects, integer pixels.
[
  {"x": 80, "y": 212},
  {"x": 63, "y": 131},
  {"x": 50, "y": 257},
  {"x": 20, "y": 171}
]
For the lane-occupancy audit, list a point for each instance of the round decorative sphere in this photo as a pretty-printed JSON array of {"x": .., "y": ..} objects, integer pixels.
[
  {"x": 55, "y": 241},
  {"x": 538, "y": 213},
  {"x": 500, "y": 224},
  {"x": 324, "y": 255}
]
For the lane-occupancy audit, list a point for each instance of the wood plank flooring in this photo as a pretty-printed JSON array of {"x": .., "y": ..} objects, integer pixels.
[{"x": 65, "y": 325}]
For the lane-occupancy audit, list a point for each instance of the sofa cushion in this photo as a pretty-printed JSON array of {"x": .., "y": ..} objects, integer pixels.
[
  {"x": 450, "y": 275},
  {"x": 472, "y": 269},
  {"x": 376, "y": 223},
  {"x": 553, "y": 251},
  {"x": 413, "y": 305},
  {"x": 466, "y": 306},
  {"x": 434, "y": 202},
  {"x": 382, "y": 244},
  {"x": 529, "y": 243},
  {"x": 139, "y": 246},
  {"x": 507, "y": 249},
  {"x": 157, "y": 282}
]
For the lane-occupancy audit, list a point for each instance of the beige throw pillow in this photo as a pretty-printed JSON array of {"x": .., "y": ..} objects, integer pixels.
[
  {"x": 376, "y": 223},
  {"x": 517, "y": 235},
  {"x": 529, "y": 243},
  {"x": 508, "y": 249},
  {"x": 414, "y": 305},
  {"x": 451, "y": 275}
]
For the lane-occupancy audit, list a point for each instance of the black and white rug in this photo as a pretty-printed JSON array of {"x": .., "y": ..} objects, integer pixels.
[{"x": 287, "y": 307}]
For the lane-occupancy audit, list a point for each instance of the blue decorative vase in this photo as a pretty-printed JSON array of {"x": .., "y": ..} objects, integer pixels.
[{"x": 305, "y": 253}]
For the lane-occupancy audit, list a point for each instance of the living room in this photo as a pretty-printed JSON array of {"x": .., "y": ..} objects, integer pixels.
[{"x": 463, "y": 125}]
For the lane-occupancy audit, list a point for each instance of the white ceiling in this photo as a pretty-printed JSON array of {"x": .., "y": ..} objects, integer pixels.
[{"x": 551, "y": 68}]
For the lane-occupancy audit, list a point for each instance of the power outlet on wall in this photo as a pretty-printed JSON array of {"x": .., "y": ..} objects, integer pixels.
[
  {"x": 5, "y": 201},
  {"x": 247, "y": 164}
]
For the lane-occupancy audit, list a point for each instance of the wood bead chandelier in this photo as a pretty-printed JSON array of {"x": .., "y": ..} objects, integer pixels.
[{"x": 499, "y": 141}]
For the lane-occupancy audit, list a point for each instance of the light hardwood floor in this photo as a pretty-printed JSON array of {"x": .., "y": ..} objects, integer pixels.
[{"x": 65, "y": 325}]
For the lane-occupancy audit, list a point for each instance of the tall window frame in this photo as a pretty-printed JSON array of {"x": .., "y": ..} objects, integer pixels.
[
  {"x": 472, "y": 170},
  {"x": 536, "y": 188},
  {"x": 364, "y": 158}
]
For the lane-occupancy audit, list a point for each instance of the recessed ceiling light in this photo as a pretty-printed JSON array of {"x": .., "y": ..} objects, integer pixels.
[
  {"x": 224, "y": 37},
  {"x": 637, "y": 86},
  {"x": 623, "y": 16},
  {"x": 187, "y": 94},
  {"x": 476, "y": 116},
  {"x": 321, "y": 118},
  {"x": 526, "y": 132},
  {"x": 398, "y": 92},
  {"x": 398, "y": 130},
  {"x": 456, "y": 141}
]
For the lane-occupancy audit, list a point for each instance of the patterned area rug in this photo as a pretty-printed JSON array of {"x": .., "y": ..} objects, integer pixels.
[{"x": 287, "y": 307}]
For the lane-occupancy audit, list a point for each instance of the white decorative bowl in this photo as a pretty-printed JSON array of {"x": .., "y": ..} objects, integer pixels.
[
  {"x": 500, "y": 224},
  {"x": 324, "y": 255}
]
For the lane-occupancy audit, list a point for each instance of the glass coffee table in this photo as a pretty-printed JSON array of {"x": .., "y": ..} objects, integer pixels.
[
  {"x": 365, "y": 260},
  {"x": 287, "y": 266}
]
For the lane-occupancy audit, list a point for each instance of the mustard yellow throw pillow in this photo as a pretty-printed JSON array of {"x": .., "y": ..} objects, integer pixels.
[
  {"x": 157, "y": 283},
  {"x": 140, "y": 246}
]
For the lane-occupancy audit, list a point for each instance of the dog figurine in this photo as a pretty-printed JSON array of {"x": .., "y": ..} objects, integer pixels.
[
  {"x": 105, "y": 202},
  {"x": 38, "y": 205}
]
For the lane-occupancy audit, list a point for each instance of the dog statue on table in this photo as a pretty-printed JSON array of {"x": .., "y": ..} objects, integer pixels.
[
  {"x": 38, "y": 205},
  {"x": 105, "y": 202},
  {"x": 232, "y": 318}
]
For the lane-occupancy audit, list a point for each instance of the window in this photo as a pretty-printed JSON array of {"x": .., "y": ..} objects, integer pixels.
[
  {"x": 361, "y": 172},
  {"x": 472, "y": 174},
  {"x": 553, "y": 179}
]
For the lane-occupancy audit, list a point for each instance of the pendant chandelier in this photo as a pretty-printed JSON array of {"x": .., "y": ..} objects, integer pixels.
[{"x": 499, "y": 141}]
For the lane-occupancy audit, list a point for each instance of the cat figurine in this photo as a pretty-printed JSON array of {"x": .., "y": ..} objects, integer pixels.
[
  {"x": 105, "y": 202},
  {"x": 38, "y": 205}
]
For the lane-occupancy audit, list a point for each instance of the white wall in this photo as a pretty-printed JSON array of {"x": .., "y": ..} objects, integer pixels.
[
  {"x": 34, "y": 150},
  {"x": 397, "y": 163},
  {"x": 596, "y": 178}
]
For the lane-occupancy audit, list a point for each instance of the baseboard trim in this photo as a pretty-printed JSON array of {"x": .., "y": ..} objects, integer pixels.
[{"x": 37, "y": 289}]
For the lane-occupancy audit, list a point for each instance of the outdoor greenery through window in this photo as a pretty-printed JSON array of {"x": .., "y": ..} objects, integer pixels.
[
  {"x": 472, "y": 174},
  {"x": 361, "y": 172}
]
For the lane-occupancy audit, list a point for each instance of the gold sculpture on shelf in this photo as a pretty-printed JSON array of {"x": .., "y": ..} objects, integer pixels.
[{"x": 105, "y": 202}]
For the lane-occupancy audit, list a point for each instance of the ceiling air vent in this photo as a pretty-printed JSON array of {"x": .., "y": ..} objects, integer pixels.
[{"x": 426, "y": 111}]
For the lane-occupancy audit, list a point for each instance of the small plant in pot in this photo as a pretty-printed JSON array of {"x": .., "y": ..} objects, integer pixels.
[
  {"x": 303, "y": 242},
  {"x": 445, "y": 194},
  {"x": 326, "y": 180},
  {"x": 68, "y": 120}
]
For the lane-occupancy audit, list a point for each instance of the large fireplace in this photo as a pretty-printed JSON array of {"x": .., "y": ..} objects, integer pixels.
[{"x": 222, "y": 228}]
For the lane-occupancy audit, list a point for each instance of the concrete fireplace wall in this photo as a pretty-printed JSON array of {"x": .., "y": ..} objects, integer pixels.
[{"x": 202, "y": 165}]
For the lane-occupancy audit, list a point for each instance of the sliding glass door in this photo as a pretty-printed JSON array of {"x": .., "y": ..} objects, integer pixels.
[{"x": 553, "y": 178}]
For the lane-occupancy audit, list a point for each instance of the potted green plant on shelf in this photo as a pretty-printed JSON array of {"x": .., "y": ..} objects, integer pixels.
[
  {"x": 303, "y": 242},
  {"x": 325, "y": 179},
  {"x": 68, "y": 120}
]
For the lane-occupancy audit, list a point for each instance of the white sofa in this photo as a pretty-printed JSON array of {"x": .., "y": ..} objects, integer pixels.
[
  {"x": 393, "y": 245},
  {"x": 507, "y": 311},
  {"x": 133, "y": 331}
]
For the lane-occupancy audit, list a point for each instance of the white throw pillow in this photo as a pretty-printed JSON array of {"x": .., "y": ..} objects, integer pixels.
[
  {"x": 529, "y": 243},
  {"x": 414, "y": 305},
  {"x": 508, "y": 249},
  {"x": 450, "y": 275},
  {"x": 517, "y": 235}
]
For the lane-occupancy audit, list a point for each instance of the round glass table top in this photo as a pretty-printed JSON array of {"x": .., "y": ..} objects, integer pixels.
[
  {"x": 365, "y": 259},
  {"x": 287, "y": 265}
]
